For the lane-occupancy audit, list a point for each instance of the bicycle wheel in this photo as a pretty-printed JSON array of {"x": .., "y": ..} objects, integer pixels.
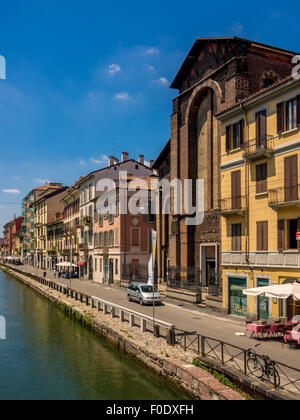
[
  {"x": 255, "y": 367},
  {"x": 273, "y": 376}
]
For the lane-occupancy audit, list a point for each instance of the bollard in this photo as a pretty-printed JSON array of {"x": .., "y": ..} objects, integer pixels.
[
  {"x": 105, "y": 311},
  {"x": 99, "y": 306},
  {"x": 113, "y": 312},
  {"x": 156, "y": 331},
  {"x": 122, "y": 316},
  {"x": 132, "y": 321},
  {"x": 143, "y": 325},
  {"x": 171, "y": 337}
]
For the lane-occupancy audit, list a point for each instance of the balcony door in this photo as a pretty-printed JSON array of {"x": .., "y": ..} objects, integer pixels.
[
  {"x": 261, "y": 129},
  {"x": 291, "y": 178},
  {"x": 236, "y": 190}
]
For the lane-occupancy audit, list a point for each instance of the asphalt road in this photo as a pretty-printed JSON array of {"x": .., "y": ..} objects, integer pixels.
[{"x": 187, "y": 317}]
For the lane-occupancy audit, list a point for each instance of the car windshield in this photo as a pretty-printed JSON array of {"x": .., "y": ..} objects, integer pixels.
[{"x": 148, "y": 289}]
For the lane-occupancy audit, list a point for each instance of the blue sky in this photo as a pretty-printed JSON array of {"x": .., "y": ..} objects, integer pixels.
[{"x": 89, "y": 79}]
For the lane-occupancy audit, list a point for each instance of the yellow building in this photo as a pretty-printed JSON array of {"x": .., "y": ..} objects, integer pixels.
[{"x": 260, "y": 199}]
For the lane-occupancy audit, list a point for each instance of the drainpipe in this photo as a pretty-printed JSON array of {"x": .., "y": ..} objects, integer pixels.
[{"x": 247, "y": 186}]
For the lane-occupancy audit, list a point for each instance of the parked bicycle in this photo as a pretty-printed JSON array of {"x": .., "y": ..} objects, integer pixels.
[{"x": 262, "y": 367}]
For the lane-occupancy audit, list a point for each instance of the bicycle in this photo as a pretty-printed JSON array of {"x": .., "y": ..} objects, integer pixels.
[{"x": 262, "y": 367}]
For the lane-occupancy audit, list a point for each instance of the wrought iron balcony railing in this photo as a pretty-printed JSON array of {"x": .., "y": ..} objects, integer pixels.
[
  {"x": 285, "y": 196},
  {"x": 233, "y": 205},
  {"x": 259, "y": 148}
]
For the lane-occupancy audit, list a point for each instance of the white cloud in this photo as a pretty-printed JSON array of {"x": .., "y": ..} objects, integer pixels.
[
  {"x": 162, "y": 81},
  {"x": 237, "y": 28},
  {"x": 81, "y": 162},
  {"x": 150, "y": 68},
  {"x": 103, "y": 160},
  {"x": 114, "y": 68},
  {"x": 42, "y": 181},
  {"x": 11, "y": 191},
  {"x": 123, "y": 96},
  {"x": 152, "y": 51}
]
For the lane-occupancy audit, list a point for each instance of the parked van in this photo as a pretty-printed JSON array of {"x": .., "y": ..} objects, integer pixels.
[{"x": 143, "y": 293}]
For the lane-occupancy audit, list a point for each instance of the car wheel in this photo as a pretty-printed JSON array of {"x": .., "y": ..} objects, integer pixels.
[{"x": 141, "y": 302}]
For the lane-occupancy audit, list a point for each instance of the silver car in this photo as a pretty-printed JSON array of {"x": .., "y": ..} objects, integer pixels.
[{"x": 143, "y": 293}]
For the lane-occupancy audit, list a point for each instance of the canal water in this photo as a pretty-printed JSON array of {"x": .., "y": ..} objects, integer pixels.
[{"x": 48, "y": 356}]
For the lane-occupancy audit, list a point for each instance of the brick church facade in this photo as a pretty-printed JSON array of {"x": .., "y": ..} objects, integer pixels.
[{"x": 217, "y": 73}]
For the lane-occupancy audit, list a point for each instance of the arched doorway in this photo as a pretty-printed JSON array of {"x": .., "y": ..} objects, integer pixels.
[
  {"x": 203, "y": 164},
  {"x": 91, "y": 268}
]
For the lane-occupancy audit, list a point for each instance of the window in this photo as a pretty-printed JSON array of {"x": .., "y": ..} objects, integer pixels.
[
  {"x": 262, "y": 236},
  {"x": 261, "y": 128},
  {"x": 95, "y": 264},
  {"x": 117, "y": 267},
  {"x": 235, "y": 136},
  {"x": 116, "y": 237},
  {"x": 111, "y": 238},
  {"x": 236, "y": 190},
  {"x": 261, "y": 178},
  {"x": 293, "y": 226},
  {"x": 236, "y": 237},
  {"x": 291, "y": 114},
  {"x": 288, "y": 115},
  {"x": 268, "y": 82},
  {"x": 135, "y": 237}
]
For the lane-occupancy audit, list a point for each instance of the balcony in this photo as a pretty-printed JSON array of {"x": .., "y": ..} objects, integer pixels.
[
  {"x": 87, "y": 221},
  {"x": 284, "y": 197},
  {"x": 233, "y": 206},
  {"x": 84, "y": 246},
  {"x": 259, "y": 149}
]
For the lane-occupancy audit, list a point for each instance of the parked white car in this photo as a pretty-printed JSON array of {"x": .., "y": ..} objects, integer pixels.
[{"x": 143, "y": 294}]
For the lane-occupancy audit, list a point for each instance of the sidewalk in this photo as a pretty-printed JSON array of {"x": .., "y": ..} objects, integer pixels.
[{"x": 184, "y": 316}]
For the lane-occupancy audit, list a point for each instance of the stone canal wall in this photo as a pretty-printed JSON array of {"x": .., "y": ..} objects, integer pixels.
[{"x": 169, "y": 362}]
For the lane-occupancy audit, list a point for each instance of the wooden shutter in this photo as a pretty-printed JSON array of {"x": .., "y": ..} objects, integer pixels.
[
  {"x": 261, "y": 128},
  {"x": 298, "y": 111},
  {"x": 236, "y": 190},
  {"x": 281, "y": 235},
  {"x": 242, "y": 122},
  {"x": 265, "y": 236},
  {"x": 261, "y": 178},
  {"x": 228, "y": 138},
  {"x": 280, "y": 118},
  {"x": 291, "y": 178},
  {"x": 236, "y": 237},
  {"x": 262, "y": 236}
]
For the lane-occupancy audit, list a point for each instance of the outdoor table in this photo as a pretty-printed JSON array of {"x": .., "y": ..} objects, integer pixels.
[
  {"x": 281, "y": 327},
  {"x": 296, "y": 336},
  {"x": 259, "y": 330}
]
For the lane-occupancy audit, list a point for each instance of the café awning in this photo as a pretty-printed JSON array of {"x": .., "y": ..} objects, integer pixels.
[
  {"x": 81, "y": 263},
  {"x": 282, "y": 291},
  {"x": 66, "y": 264}
]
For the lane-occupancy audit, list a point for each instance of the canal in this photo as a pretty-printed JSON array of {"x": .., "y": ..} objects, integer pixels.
[{"x": 47, "y": 356}]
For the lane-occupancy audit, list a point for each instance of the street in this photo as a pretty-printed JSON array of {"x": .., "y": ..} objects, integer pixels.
[{"x": 186, "y": 317}]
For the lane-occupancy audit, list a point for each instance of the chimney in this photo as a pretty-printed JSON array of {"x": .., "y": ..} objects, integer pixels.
[
  {"x": 125, "y": 156},
  {"x": 111, "y": 161},
  {"x": 142, "y": 159},
  {"x": 116, "y": 161},
  {"x": 152, "y": 163}
]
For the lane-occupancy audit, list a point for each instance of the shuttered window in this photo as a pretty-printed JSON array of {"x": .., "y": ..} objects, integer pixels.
[
  {"x": 262, "y": 236},
  {"x": 236, "y": 237},
  {"x": 280, "y": 118},
  {"x": 261, "y": 178},
  {"x": 236, "y": 190},
  {"x": 281, "y": 235},
  {"x": 291, "y": 114},
  {"x": 235, "y": 136},
  {"x": 261, "y": 128},
  {"x": 291, "y": 178}
]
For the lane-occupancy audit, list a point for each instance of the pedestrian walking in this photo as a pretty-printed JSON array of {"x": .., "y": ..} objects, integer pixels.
[{"x": 54, "y": 272}]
